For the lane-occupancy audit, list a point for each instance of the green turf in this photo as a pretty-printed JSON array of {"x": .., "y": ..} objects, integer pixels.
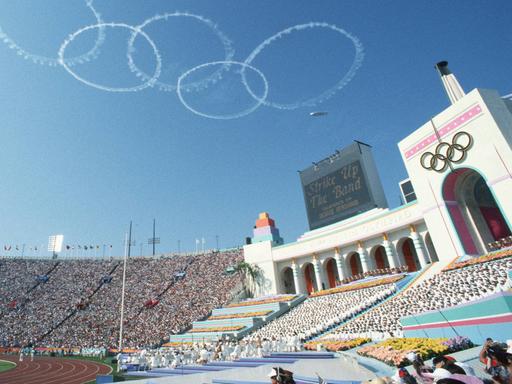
[{"x": 6, "y": 365}]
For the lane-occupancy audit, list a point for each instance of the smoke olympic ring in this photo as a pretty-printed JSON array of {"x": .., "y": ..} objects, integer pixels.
[
  {"x": 226, "y": 42},
  {"x": 53, "y": 62},
  {"x": 223, "y": 117},
  {"x": 148, "y": 83},
  {"x": 358, "y": 59}
]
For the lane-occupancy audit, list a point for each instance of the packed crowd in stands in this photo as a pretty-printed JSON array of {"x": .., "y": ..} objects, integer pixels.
[
  {"x": 192, "y": 298},
  {"x": 501, "y": 243},
  {"x": 50, "y": 302},
  {"x": 439, "y": 291},
  {"x": 16, "y": 278},
  {"x": 316, "y": 314},
  {"x": 79, "y": 304},
  {"x": 375, "y": 272}
]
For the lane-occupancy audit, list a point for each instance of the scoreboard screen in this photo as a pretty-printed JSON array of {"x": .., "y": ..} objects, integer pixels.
[{"x": 336, "y": 188}]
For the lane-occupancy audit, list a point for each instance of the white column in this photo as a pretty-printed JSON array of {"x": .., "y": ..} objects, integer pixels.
[
  {"x": 296, "y": 280},
  {"x": 363, "y": 255},
  {"x": 390, "y": 252},
  {"x": 340, "y": 264},
  {"x": 418, "y": 245},
  {"x": 318, "y": 274}
]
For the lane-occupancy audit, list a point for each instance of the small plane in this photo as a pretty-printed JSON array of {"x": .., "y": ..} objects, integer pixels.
[{"x": 318, "y": 113}]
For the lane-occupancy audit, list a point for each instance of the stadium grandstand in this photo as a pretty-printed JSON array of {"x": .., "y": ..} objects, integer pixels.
[{"x": 371, "y": 288}]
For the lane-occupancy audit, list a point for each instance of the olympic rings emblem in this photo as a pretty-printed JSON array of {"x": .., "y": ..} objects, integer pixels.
[{"x": 446, "y": 153}]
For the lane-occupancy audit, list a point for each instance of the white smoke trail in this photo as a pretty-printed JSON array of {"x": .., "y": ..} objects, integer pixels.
[
  {"x": 214, "y": 77},
  {"x": 51, "y": 61},
  {"x": 148, "y": 83},
  {"x": 358, "y": 59},
  {"x": 230, "y": 116}
]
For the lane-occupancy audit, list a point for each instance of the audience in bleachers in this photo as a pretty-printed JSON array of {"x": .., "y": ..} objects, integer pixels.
[
  {"x": 440, "y": 291},
  {"x": 17, "y": 276},
  {"x": 78, "y": 307},
  {"x": 375, "y": 272},
  {"x": 51, "y": 302},
  {"x": 317, "y": 314}
]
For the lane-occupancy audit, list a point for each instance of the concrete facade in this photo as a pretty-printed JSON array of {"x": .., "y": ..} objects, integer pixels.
[{"x": 460, "y": 165}]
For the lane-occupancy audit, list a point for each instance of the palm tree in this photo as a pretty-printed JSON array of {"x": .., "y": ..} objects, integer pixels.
[{"x": 252, "y": 277}]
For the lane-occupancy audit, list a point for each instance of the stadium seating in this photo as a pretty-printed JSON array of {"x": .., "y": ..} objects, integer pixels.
[{"x": 79, "y": 304}]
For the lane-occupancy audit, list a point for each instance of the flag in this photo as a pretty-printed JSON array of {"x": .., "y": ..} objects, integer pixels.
[
  {"x": 85, "y": 247},
  {"x": 68, "y": 247}
]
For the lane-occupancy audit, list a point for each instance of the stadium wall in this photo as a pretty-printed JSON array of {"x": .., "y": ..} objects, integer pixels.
[{"x": 479, "y": 319}]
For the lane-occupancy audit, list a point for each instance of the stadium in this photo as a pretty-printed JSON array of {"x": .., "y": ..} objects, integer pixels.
[
  {"x": 429, "y": 277},
  {"x": 371, "y": 292}
]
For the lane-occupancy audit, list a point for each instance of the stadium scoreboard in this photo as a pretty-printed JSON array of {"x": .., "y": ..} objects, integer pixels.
[{"x": 341, "y": 186}]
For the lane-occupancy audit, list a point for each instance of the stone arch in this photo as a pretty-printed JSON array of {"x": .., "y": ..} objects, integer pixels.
[
  {"x": 288, "y": 283},
  {"x": 354, "y": 263},
  {"x": 432, "y": 254},
  {"x": 308, "y": 272},
  {"x": 475, "y": 214},
  {"x": 405, "y": 247},
  {"x": 331, "y": 271},
  {"x": 379, "y": 257}
]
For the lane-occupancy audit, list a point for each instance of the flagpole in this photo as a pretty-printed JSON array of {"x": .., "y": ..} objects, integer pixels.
[
  {"x": 126, "y": 254},
  {"x": 154, "y": 239}
]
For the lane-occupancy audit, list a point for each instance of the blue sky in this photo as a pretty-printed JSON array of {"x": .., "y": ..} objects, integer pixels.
[{"x": 84, "y": 162}]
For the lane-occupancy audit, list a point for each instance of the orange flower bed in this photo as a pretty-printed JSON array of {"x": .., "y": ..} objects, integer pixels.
[
  {"x": 353, "y": 287},
  {"x": 176, "y": 344},
  {"x": 497, "y": 255},
  {"x": 266, "y": 301},
  {"x": 337, "y": 345},
  {"x": 239, "y": 315},
  {"x": 394, "y": 351},
  {"x": 217, "y": 329}
]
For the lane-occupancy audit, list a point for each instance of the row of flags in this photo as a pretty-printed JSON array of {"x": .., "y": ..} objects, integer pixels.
[
  {"x": 8, "y": 248},
  {"x": 85, "y": 247}
]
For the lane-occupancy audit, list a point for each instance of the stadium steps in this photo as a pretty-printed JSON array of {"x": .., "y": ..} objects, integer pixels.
[
  {"x": 298, "y": 380},
  {"x": 249, "y": 324},
  {"x": 219, "y": 366}
]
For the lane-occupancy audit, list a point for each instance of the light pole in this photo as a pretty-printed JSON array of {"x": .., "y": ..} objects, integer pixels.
[
  {"x": 153, "y": 240},
  {"x": 127, "y": 247}
]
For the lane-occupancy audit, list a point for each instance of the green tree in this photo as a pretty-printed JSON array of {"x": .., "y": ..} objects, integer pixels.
[{"x": 252, "y": 277}]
